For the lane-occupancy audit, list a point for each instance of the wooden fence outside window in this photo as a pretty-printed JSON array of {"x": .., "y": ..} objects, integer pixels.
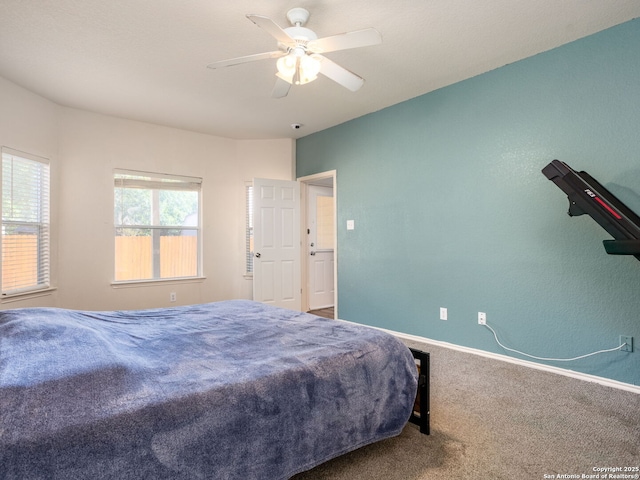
[{"x": 134, "y": 258}]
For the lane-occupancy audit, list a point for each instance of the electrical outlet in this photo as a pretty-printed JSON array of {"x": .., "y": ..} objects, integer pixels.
[
  {"x": 629, "y": 343},
  {"x": 172, "y": 297},
  {"x": 482, "y": 318},
  {"x": 443, "y": 313}
]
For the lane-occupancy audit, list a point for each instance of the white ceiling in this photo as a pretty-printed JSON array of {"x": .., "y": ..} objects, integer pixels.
[{"x": 146, "y": 59}]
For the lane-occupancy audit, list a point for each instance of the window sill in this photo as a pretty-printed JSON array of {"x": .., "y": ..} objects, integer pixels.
[
  {"x": 17, "y": 297},
  {"x": 151, "y": 283}
]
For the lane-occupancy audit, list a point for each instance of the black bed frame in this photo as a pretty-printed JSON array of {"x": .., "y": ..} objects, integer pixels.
[{"x": 421, "y": 413}]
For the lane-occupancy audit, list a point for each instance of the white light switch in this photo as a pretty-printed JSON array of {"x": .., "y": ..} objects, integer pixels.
[{"x": 351, "y": 224}]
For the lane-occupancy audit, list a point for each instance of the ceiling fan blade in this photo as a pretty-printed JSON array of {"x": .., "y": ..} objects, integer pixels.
[
  {"x": 344, "y": 41},
  {"x": 281, "y": 88},
  {"x": 340, "y": 74},
  {"x": 246, "y": 59},
  {"x": 272, "y": 28}
]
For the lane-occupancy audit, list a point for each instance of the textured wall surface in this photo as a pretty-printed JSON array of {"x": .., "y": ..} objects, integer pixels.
[{"x": 451, "y": 208}]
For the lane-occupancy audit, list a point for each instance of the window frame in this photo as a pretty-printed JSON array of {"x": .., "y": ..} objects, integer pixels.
[
  {"x": 157, "y": 182},
  {"x": 42, "y": 224},
  {"x": 248, "y": 229}
]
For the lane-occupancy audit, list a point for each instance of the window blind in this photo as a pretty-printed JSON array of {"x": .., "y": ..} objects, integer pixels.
[
  {"x": 159, "y": 181},
  {"x": 25, "y": 222},
  {"x": 249, "y": 228}
]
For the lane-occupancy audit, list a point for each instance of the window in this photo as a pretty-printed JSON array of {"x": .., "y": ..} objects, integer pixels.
[
  {"x": 249, "y": 228},
  {"x": 25, "y": 222},
  {"x": 325, "y": 223},
  {"x": 157, "y": 227}
]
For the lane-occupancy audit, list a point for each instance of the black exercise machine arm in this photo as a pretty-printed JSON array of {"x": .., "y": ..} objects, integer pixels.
[{"x": 587, "y": 196}]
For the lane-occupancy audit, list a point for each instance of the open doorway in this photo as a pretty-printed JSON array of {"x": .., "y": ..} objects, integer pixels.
[{"x": 319, "y": 244}]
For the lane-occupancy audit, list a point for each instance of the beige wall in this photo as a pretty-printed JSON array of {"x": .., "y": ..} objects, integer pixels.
[{"x": 85, "y": 148}]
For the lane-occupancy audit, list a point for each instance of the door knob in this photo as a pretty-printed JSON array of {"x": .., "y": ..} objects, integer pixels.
[
  {"x": 257, "y": 255},
  {"x": 312, "y": 253}
]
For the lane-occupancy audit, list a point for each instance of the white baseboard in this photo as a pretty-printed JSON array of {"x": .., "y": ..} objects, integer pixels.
[{"x": 525, "y": 363}]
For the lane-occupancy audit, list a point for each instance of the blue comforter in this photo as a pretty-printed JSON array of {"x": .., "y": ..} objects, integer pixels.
[{"x": 227, "y": 390}]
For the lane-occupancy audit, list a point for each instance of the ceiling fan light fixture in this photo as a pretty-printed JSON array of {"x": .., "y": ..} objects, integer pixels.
[
  {"x": 287, "y": 66},
  {"x": 308, "y": 69},
  {"x": 298, "y": 70}
]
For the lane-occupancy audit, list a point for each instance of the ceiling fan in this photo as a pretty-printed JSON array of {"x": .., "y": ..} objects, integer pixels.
[{"x": 299, "y": 53}]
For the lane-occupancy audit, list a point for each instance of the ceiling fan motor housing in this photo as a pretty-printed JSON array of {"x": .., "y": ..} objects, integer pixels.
[
  {"x": 298, "y": 16},
  {"x": 301, "y": 33}
]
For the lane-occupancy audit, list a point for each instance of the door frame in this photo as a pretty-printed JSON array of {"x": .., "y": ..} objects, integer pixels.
[{"x": 305, "y": 181}]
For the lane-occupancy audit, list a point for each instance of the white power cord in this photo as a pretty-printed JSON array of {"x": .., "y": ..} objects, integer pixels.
[{"x": 552, "y": 359}]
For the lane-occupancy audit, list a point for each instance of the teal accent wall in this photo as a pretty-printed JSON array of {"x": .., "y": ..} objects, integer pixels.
[{"x": 451, "y": 208}]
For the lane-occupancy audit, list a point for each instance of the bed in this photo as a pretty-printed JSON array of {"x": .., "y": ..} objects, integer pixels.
[{"x": 225, "y": 390}]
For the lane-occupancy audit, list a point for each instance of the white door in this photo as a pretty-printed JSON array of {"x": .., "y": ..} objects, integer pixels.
[
  {"x": 276, "y": 224},
  {"x": 320, "y": 238}
]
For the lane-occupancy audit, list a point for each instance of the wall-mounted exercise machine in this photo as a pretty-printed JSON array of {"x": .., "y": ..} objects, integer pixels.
[{"x": 587, "y": 195}]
